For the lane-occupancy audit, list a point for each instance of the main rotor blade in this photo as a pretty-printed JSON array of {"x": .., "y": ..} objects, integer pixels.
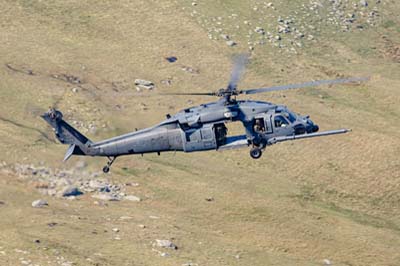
[
  {"x": 191, "y": 93},
  {"x": 304, "y": 85},
  {"x": 240, "y": 62}
]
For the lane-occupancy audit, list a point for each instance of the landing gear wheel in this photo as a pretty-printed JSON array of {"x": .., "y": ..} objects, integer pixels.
[
  {"x": 255, "y": 153},
  {"x": 106, "y": 169}
]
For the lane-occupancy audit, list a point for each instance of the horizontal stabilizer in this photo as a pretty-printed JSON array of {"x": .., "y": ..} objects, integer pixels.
[
  {"x": 69, "y": 152},
  {"x": 73, "y": 150}
]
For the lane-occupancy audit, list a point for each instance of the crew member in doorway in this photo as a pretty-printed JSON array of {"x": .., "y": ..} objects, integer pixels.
[{"x": 259, "y": 126}]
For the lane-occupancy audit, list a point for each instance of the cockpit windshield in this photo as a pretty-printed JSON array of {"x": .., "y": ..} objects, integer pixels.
[{"x": 290, "y": 116}]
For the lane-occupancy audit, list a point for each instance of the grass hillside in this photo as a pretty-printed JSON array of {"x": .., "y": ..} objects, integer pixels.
[{"x": 326, "y": 201}]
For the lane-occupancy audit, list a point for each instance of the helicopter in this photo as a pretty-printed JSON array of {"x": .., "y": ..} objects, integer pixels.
[{"x": 203, "y": 127}]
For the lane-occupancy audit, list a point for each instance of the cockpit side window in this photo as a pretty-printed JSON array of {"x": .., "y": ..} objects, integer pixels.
[
  {"x": 280, "y": 121},
  {"x": 290, "y": 116}
]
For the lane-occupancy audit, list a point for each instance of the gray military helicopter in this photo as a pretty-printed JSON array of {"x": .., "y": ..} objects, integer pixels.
[{"x": 203, "y": 127}]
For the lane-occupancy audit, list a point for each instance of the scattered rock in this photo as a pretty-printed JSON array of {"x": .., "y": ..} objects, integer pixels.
[
  {"x": 132, "y": 184},
  {"x": 68, "y": 78},
  {"x": 209, "y": 199},
  {"x": 106, "y": 197},
  {"x": 96, "y": 185},
  {"x": 230, "y": 43},
  {"x": 132, "y": 198},
  {"x": 39, "y": 203},
  {"x": 2, "y": 203},
  {"x": 171, "y": 59},
  {"x": 116, "y": 230},
  {"x": 327, "y": 262},
  {"x": 225, "y": 37},
  {"x": 142, "y": 226},
  {"x": 145, "y": 84},
  {"x": 190, "y": 70},
  {"x": 51, "y": 224},
  {"x": 166, "y": 244},
  {"x": 307, "y": 19},
  {"x": 70, "y": 191},
  {"x": 259, "y": 30},
  {"x": 167, "y": 82},
  {"x": 123, "y": 218}
]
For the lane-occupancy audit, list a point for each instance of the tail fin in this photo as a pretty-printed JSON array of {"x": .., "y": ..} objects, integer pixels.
[{"x": 66, "y": 134}]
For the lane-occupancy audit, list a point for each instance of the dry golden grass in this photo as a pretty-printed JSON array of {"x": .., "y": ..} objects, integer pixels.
[{"x": 333, "y": 198}]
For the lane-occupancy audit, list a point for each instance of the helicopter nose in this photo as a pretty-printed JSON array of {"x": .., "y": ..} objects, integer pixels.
[{"x": 310, "y": 126}]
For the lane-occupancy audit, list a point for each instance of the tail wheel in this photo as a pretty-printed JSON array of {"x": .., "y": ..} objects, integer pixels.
[{"x": 255, "y": 153}]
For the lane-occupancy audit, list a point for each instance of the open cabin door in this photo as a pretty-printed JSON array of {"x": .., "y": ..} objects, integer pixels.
[{"x": 263, "y": 124}]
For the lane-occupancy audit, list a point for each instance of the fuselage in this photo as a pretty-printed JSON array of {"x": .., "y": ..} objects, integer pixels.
[{"x": 194, "y": 129}]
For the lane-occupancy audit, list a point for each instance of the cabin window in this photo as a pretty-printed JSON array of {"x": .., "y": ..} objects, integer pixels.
[
  {"x": 206, "y": 133},
  {"x": 193, "y": 135}
]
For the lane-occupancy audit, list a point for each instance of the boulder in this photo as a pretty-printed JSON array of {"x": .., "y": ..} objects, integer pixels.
[
  {"x": 225, "y": 37},
  {"x": 259, "y": 30},
  {"x": 105, "y": 197},
  {"x": 70, "y": 191},
  {"x": 166, "y": 244},
  {"x": 132, "y": 198},
  {"x": 145, "y": 84},
  {"x": 39, "y": 203},
  {"x": 230, "y": 43}
]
